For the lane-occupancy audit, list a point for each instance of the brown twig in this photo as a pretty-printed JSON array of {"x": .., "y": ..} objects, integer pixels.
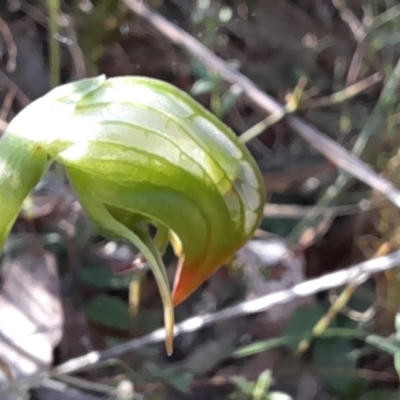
[
  {"x": 22, "y": 97},
  {"x": 6, "y": 106},
  {"x": 7, "y": 103},
  {"x": 295, "y": 211},
  {"x": 326, "y": 146},
  {"x": 11, "y": 46},
  {"x": 356, "y": 27},
  {"x": 344, "y": 94},
  {"x": 356, "y": 62}
]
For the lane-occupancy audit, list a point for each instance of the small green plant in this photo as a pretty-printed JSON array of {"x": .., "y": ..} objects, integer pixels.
[
  {"x": 259, "y": 390},
  {"x": 390, "y": 345},
  {"x": 208, "y": 83},
  {"x": 140, "y": 153}
]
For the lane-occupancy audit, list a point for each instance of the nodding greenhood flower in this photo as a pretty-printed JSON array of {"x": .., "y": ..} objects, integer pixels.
[{"x": 140, "y": 153}]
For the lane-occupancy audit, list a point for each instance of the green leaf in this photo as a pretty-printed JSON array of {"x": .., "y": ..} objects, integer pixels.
[
  {"x": 109, "y": 311},
  {"x": 263, "y": 345},
  {"x": 262, "y": 385},
  {"x": 245, "y": 386},
  {"x": 97, "y": 275},
  {"x": 396, "y": 358},
  {"x": 229, "y": 99},
  {"x": 388, "y": 345},
  {"x": 336, "y": 366},
  {"x": 203, "y": 86},
  {"x": 379, "y": 395},
  {"x": 180, "y": 381},
  {"x": 301, "y": 324},
  {"x": 102, "y": 276}
]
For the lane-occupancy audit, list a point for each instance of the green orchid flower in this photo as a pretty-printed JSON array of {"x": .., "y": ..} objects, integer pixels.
[{"x": 140, "y": 153}]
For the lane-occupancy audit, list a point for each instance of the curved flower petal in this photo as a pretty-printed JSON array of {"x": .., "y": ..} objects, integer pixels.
[{"x": 173, "y": 162}]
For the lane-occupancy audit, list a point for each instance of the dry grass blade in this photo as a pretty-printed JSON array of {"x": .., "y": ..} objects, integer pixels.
[
  {"x": 329, "y": 281},
  {"x": 326, "y": 146}
]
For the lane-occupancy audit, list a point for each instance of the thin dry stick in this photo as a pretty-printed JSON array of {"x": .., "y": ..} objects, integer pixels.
[
  {"x": 263, "y": 125},
  {"x": 295, "y": 211},
  {"x": 7, "y": 103},
  {"x": 363, "y": 46},
  {"x": 11, "y": 46},
  {"x": 356, "y": 62},
  {"x": 326, "y": 146},
  {"x": 76, "y": 52},
  {"x": 86, "y": 385},
  {"x": 22, "y": 97},
  {"x": 262, "y": 304},
  {"x": 356, "y": 27},
  {"x": 342, "y": 95},
  {"x": 387, "y": 16}
]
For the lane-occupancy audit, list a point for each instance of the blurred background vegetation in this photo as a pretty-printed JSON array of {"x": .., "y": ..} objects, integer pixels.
[{"x": 311, "y": 52}]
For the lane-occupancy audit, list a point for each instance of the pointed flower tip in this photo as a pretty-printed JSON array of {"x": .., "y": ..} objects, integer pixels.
[
  {"x": 169, "y": 347},
  {"x": 187, "y": 281}
]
